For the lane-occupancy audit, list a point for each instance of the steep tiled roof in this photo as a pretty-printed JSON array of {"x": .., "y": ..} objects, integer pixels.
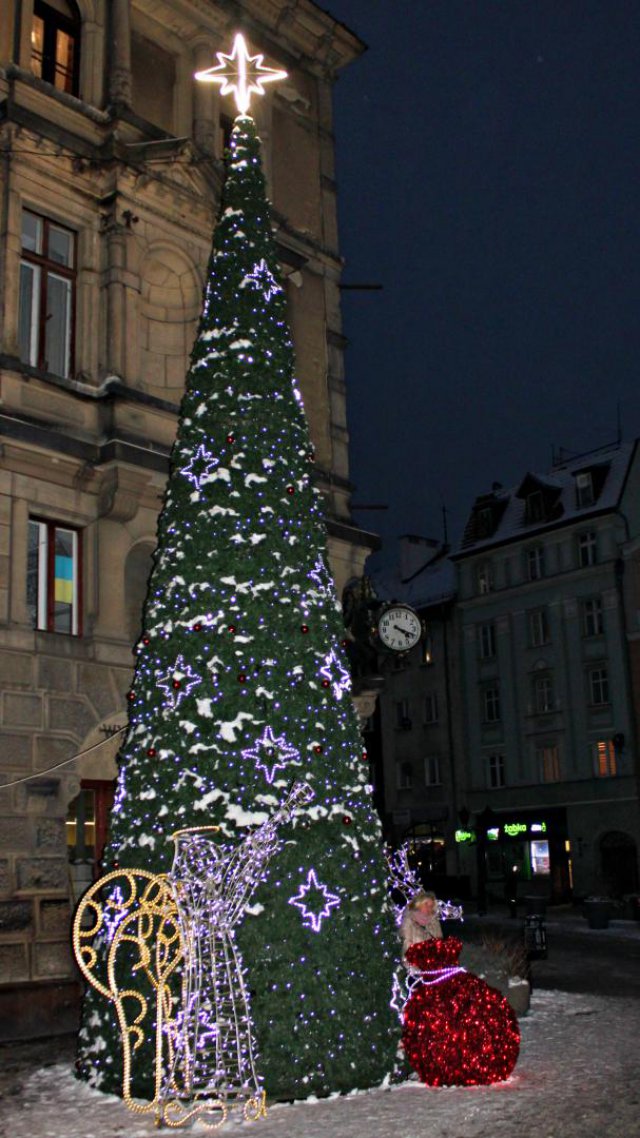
[{"x": 508, "y": 508}]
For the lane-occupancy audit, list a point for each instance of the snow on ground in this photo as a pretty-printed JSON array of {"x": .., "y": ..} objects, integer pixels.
[{"x": 576, "y": 1078}]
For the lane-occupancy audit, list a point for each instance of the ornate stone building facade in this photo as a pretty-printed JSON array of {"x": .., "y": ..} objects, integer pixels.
[{"x": 111, "y": 173}]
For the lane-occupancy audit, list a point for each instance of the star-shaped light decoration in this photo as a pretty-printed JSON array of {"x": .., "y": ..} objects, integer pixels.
[
  {"x": 206, "y": 461},
  {"x": 334, "y": 672},
  {"x": 178, "y": 681},
  {"x": 313, "y": 919},
  {"x": 271, "y": 754},
  {"x": 263, "y": 280},
  {"x": 240, "y": 74}
]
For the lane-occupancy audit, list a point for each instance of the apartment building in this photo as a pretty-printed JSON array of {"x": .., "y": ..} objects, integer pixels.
[{"x": 549, "y": 616}]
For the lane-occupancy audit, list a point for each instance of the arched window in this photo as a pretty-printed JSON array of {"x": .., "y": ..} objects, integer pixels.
[{"x": 55, "y": 44}]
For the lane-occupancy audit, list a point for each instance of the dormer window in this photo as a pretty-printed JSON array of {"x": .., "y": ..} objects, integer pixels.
[
  {"x": 484, "y": 522},
  {"x": 535, "y": 507},
  {"x": 55, "y": 44},
  {"x": 584, "y": 489}
]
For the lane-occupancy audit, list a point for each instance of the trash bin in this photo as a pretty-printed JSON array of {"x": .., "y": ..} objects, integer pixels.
[{"x": 535, "y": 928}]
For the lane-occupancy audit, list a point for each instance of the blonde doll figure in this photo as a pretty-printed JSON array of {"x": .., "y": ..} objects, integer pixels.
[{"x": 420, "y": 920}]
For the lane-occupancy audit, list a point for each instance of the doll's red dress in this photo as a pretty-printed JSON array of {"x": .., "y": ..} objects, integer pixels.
[{"x": 457, "y": 1030}]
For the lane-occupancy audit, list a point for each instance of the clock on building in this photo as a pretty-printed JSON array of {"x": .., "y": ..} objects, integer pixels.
[{"x": 399, "y": 628}]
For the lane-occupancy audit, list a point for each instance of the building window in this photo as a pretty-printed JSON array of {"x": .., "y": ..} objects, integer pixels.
[
  {"x": 47, "y": 295},
  {"x": 484, "y": 579},
  {"x": 53, "y": 577},
  {"x": 87, "y": 826},
  {"x": 403, "y": 722},
  {"x": 598, "y": 685},
  {"x": 538, "y": 628},
  {"x": 535, "y": 507},
  {"x": 431, "y": 707},
  {"x": 404, "y": 776},
  {"x": 549, "y": 763},
  {"x": 584, "y": 490},
  {"x": 484, "y": 522},
  {"x": 535, "y": 563},
  {"x": 592, "y": 619},
  {"x": 432, "y": 771},
  {"x": 55, "y": 44},
  {"x": 587, "y": 549},
  {"x": 604, "y": 758},
  {"x": 495, "y": 772},
  {"x": 543, "y": 694},
  {"x": 491, "y": 702},
  {"x": 487, "y": 641}
]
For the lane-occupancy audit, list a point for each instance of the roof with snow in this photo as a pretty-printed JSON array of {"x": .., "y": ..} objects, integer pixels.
[
  {"x": 575, "y": 488},
  {"x": 430, "y": 580}
]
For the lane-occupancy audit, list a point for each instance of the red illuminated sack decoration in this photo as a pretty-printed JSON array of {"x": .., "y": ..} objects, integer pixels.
[{"x": 457, "y": 1030}]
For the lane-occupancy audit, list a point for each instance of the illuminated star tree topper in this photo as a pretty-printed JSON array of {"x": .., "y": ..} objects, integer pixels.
[{"x": 240, "y": 74}]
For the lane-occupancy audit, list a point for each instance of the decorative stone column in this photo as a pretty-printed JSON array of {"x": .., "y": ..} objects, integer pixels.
[
  {"x": 205, "y": 100},
  {"x": 120, "y": 43}
]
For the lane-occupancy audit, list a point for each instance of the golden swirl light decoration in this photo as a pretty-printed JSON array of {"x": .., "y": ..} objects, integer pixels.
[{"x": 173, "y": 935}]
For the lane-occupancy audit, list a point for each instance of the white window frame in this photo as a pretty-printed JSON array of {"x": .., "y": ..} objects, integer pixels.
[
  {"x": 592, "y": 617},
  {"x": 404, "y": 775},
  {"x": 584, "y": 490},
  {"x": 45, "y": 603},
  {"x": 599, "y": 695},
  {"x": 431, "y": 711},
  {"x": 587, "y": 549},
  {"x": 538, "y": 627},
  {"x": 487, "y": 641},
  {"x": 432, "y": 770},
  {"x": 535, "y": 563},
  {"x": 496, "y": 777},
  {"x": 492, "y": 711},
  {"x": 543, "y": 700}
]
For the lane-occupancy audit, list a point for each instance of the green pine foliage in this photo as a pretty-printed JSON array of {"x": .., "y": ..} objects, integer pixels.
[{"x": 241, "y": 687}]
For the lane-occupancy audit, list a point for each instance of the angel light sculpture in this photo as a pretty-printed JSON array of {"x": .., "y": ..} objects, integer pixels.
[{"x": 173, "y": 936}]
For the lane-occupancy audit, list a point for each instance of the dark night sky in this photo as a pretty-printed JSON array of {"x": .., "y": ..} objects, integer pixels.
[{"x": 488, "y": 178}]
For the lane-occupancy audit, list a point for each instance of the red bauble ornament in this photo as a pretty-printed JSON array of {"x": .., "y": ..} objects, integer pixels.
[
  {"x": 346, "y": 820},
  {"x": 151, "y": 752},
  {"x": 242, "y": 677},
  {"x": 304, "y": 628},
  {"x": 231, "y": 438},
  {"x": 365, "y": 756},
  {"x": 197, "y": 627},
  {"x": 318, "y": 749},
  {"x": 145, "y": 640},
  {"x": 176, "y": 684},
  {"x": 326, "y": 683},
  {"x": 291, "y": 489},
  {"x": 457, "y": 1030},
  {"x": 231, "y": 628},
  {"x": 131, "y": 695}
]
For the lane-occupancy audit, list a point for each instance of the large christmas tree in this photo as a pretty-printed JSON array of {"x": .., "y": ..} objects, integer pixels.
[{"x": 241, "y": 686}]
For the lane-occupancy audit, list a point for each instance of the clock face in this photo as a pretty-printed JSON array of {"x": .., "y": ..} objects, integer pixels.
[{"x": 399, "y": 628}]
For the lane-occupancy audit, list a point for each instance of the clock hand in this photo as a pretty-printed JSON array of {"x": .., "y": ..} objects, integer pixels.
[{"x": 403, "y": 631}]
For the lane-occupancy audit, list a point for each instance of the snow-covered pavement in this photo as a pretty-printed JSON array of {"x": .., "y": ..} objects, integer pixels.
[{"x": 577, "y": 1077}]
